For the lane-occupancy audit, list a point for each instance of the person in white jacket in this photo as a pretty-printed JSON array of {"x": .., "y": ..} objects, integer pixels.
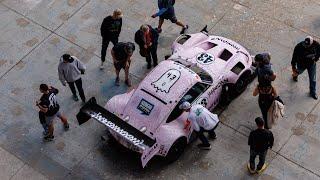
[
  {"x": 202, "y": 121},
  {"x": 70, "y": 70}
]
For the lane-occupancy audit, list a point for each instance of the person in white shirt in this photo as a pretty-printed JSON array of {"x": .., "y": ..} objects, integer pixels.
[{"x": 202, "y": 121}]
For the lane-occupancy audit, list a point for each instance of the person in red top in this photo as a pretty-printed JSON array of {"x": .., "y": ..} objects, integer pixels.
[{"x": 147, "y": 39}]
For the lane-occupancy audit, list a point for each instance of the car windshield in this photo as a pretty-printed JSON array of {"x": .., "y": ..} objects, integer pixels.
[
  {"x": 190, "y": 97},
  {"x": 205, "y": 77}
]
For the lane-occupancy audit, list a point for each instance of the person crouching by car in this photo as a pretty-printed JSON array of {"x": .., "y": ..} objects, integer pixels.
[
  {"x": 121, "y": 55},
  {"x": 202, "y": 120},
  {"x": 260, "y": 140},
  {"x": 70, "y": 70},
  {"x": 147, "y": 39}
]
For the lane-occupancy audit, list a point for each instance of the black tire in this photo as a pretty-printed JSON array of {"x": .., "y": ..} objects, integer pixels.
[
  {"x": 176, "y": 149},
  {"x": 242, "y": 83}
]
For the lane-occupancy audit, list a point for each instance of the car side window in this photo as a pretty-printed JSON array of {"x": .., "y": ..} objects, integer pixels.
[
  {"x": 238, "y": 68},
  {"x": 193, "y": 93}
]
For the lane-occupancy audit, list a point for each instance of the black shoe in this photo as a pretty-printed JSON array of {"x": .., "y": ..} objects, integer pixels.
[
  {"x": 66, "y": 127},
  {"x": 314, "y": 96},
  {"x": 83, "y": 100},
  {"x": 75, "y": 97},
  {"x": 295, "y": 79},
  {"x": 212, "y": 136},
  {"x": 48, "y": 138},
  {"x": 155, "y": 64},
  {"x": 45, "y": 133},
  {"x": 204, "y": 146},
  {"x": 183, "y": 31},
  {"x": 148, "y": 65},
  {"x": 117, "y": 81}
]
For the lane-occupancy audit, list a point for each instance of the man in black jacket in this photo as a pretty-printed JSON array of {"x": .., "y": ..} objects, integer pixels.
[
  {"x": 110, "y": 31},
  {"x": 147, "y": 39},
  {"x": 260, "y": 140},
  {"x": 305, "y": 56}
]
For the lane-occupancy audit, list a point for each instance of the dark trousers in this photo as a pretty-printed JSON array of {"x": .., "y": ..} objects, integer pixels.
[
  {"x": 42, "y": 118},
  {"x": 262, "y": 159},
  {"x": 312, "y": 77},
  {"x": 203, "y": 138},
  {"x": 105, "y": 44},
  {"x": 265, "y": 105},
  {"x": 152, "y": 54},
  {"x": 79, "y": 87}
]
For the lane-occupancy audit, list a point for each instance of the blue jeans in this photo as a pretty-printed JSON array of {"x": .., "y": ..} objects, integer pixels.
[{"x": 312, "y": 77}]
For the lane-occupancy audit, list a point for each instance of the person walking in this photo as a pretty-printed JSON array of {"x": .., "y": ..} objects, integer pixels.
[
  {"x": 110, "y": 31},
  {"x": 49, "y": 108},
  {"x": 202, "y": 120},
  {"x": 147, "y": 39},
  {"x": 260, "y": 140},
  {"x": 264, "y": 70},
  {"x": 267, "y": 95},
  {"x": 305, "y": 56},
  {"x": 166, "y": 11},
  {"x": 121, "y": 55},
  {"x": 70, "y": 70}
]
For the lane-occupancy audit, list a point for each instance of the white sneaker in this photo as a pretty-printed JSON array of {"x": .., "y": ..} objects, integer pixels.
[{"x": 101, "y": 66}]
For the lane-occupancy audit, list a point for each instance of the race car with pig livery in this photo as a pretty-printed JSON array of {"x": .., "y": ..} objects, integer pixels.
[{"x": 201, "y": 69}]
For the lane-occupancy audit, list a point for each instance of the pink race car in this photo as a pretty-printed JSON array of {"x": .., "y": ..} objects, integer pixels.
[{"x": 202, "y": 70}]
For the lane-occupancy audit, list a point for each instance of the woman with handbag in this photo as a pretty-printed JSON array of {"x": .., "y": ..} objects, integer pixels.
[{"x": 267, "y": 95}]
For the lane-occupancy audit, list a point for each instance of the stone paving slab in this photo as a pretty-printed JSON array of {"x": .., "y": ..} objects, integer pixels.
[
  {"x": 27, "y": 173},
  {"x": 302, "y": 147},
  {"x": 50, "y": 14},
  {"x": 9, "y": 164},
  {"x": 299, "y": 14},
  {"x": 18, "y": 37},
  {"x": 281, "y": 168}
]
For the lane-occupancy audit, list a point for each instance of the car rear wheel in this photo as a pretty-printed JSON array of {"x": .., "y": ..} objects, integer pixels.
[{"x": 176, "y": 150}]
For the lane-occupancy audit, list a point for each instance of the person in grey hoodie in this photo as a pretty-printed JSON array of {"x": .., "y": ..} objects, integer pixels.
[{"x": 70, "y": 70}]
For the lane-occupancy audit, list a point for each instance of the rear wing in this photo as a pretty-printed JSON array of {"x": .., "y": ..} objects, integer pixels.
[{"x": 127, "y": 133}]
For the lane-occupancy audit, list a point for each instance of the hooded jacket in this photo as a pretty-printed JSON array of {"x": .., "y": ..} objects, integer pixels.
[{"x": 70, "y": 71}]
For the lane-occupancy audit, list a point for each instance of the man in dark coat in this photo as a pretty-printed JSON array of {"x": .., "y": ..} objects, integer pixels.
[
  {"x": 305, "y": 56},
  {"x": 147, "y": 39},
  {"x": 110, "y": 31}
]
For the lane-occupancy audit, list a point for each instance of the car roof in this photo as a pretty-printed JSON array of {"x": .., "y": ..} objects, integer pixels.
[{"x": 222, "y": 50}]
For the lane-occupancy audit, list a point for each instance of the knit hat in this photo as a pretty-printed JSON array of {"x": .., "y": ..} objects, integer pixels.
[{"x": 185, "y": 105}]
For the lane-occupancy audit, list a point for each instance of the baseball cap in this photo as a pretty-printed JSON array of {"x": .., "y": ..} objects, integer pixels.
[
  {"x": 185, "y": 105},
  {"x": 308, "y": 40}
]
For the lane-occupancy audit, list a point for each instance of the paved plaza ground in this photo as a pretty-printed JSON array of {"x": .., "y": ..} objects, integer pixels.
[{"x": 35, "y": 33}]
